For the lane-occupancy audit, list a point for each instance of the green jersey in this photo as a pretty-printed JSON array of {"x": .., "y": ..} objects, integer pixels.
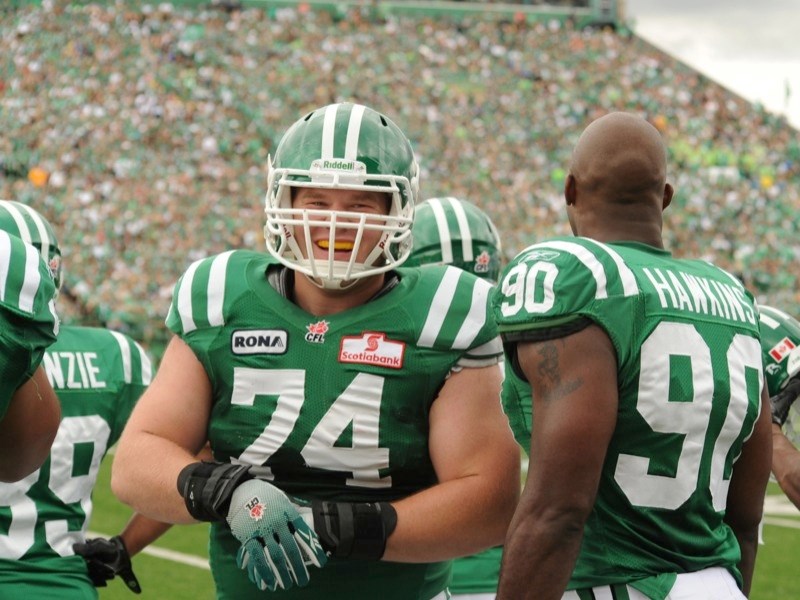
[
  {"x": 689, "y": 378},
  {"x": 332, "y": 407},
  {"x": 98, "y": 376},
  {"x": 28, "y": 321}
]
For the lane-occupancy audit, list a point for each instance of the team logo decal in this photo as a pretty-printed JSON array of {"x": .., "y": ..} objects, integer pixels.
[
  {"x": 53, "y": 264},
  {"x": 255, "y": 508},
  {"x": 772, "y": 369},
  {"x": 545, "y": 255},
  {"x": 372, "y": 348},
  {"x": 782, "y": 349},
  {"x": 258, "y": 341},
  {"x": 316, "y": 332},
  {"x": 482, "y": 262}
]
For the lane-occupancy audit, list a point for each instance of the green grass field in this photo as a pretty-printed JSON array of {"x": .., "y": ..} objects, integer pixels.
[{"x": 163, "y": 577}]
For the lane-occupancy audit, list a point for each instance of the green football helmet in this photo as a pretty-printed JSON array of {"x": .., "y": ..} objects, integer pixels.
[
  {"x": 452, "y": 231},
  {"x": 347, "y": 147},
  {"x": 22, "y": 221},
  {"x": 780, "y": 347}
]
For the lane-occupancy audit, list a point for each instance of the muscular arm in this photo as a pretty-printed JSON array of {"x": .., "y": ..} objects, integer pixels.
[
  {"x": 746, "y": 492},
  {"x": 164, "y": 434},
  {"x": 477, "y": 463},
  {"x": 786, "y": 465},
  {"x": 575, "y": 406},
  {"x": 28, "y": 428}
]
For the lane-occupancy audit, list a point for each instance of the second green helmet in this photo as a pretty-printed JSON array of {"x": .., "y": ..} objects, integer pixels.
[
  {"x": 21, "y": 221},
  {"x": 455, "y": 232},
  {"x": 780, "y": 347}
]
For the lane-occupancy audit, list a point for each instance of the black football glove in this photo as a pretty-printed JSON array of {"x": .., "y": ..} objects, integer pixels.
[
  {"x": 106, "y": 559},
  {"x": 783, "y": 400}
]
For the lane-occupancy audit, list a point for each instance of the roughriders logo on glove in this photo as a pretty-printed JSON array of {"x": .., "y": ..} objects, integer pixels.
[{"x": 255, "y": 508}]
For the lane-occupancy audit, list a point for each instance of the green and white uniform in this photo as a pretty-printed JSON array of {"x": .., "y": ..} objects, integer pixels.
[
  {"x": 333, "y": 407},
  {"x": 28, "y": 321},
  {"x": 689, "y": 377},
  {"x": 98, "y": 376}
]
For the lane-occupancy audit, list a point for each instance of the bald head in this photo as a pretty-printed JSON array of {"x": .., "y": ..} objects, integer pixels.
[{"x": 617, "y": 178}]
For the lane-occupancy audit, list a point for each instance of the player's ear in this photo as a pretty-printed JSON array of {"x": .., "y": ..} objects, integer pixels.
[
  {"x": 570, "y": 191},
  {"x": 667, "y": 199}
]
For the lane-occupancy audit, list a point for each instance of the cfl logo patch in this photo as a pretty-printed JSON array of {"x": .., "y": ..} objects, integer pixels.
[{"x": 255, "y": 508}]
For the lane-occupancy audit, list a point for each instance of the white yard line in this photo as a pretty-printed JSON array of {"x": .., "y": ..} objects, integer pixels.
[{"x": 179, "y": 557}]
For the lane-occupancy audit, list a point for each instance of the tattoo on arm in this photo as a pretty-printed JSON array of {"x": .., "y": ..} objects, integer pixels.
[{"x": 549, "y": 371}]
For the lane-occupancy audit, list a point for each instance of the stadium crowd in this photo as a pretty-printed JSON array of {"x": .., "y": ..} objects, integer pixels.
[{"x": 143, "y": 134}]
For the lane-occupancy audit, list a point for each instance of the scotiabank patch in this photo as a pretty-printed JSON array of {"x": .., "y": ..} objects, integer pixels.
[
  {"x": 782, "y": 349},
  {"x": 372, "y": 348}
]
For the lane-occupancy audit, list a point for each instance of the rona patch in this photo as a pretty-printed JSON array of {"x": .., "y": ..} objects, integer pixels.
[{"x": 259, "y": 341}]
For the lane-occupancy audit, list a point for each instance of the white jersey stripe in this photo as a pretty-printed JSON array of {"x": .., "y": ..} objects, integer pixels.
[
  {"x": 40, "y": 227},
  {"x": 463, "y": 228},
  {"x": 147, "y": 367},
  {"x": 444, "y": 231},
  {"x": 491, "y": 348},
  {"x": 353, "y": 132},
  {"x": 30, "y": 285},
  {"x": 328, "y": 129},
  {"x": 603, "y": 593},
  {"x": 629, "y": 285},
  {"x": 438, "y": 311},
  {"x": 5, "y": 261},
  {"x": 476, "y": 318},
  {"x": 185, "y": 298},
  {"x": 125, "y": 350},
  {"x": 582, "y": 254},
  {"x": 216, "y": 288}
]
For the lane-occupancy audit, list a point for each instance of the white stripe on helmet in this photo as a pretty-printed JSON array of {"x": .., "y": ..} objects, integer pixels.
[
  {"x": 353, "y": 132},
  {"x": 463, "y": 228},
  {"x": 444, "y": 231},
  {"x": 41, "y": 228},
  {"x": 328, "y": 129}
]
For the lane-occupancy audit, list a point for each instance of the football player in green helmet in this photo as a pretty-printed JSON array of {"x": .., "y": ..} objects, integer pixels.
[
  {"x": 97, "y": 376},
  {"x": 374, "y": 157},
  {"x": 780, "y": 346},
  {"x": 29, "y": 408},
  {"x": 350, "y": 403},
  {"x": 451, "y": 231}
]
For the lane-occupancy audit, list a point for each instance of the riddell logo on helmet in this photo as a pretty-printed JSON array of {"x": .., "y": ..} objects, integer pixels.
[
  {"x": 339, "y": 165},
  {"x": 372, "y": 348}
]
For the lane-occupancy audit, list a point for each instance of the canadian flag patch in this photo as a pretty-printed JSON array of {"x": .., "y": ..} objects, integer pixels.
[
  {"x": 782, "y": 349},
  {"x": 372, "y": 348}
]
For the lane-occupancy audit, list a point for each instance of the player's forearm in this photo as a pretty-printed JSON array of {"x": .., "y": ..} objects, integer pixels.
[
  {"x": 748, "y": 544},
  {"x": 145, "y": 475},
  {"x": 786, "y": 465},
  {"x": 538, "y": 557},
  {"x": 142, "y": 531},
  {"x": 454, "y": 518}
]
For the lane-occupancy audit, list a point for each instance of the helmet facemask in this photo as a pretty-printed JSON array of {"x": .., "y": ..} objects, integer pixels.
[{"x": 285, "y": 223}]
